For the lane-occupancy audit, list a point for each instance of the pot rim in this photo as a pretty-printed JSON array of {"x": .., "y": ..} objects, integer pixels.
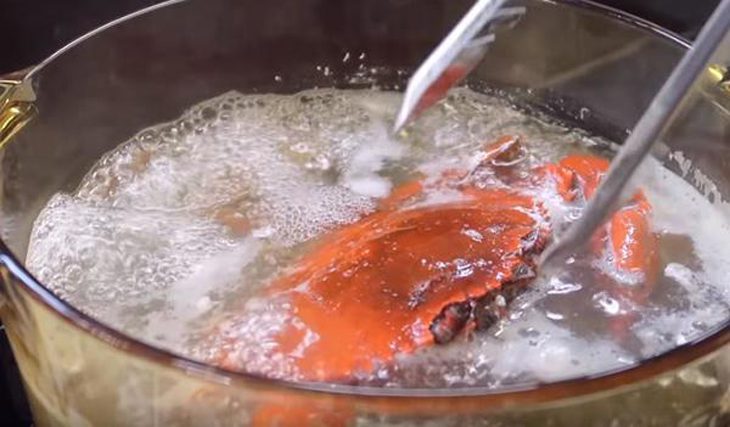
[{"x": 533, "y": 392}]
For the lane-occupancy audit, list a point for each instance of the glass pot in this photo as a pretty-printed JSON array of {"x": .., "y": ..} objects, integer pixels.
[{"x": 586, "y": 64}]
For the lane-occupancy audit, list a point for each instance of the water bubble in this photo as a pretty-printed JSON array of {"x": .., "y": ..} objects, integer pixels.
[
  {"x": 559, "y": 287},
  {"x": 607, "y": 304}
]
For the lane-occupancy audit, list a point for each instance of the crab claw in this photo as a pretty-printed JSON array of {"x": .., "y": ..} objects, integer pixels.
[
  {"x": 627, "y": 242},
  {"x": 634, "y": 248}
]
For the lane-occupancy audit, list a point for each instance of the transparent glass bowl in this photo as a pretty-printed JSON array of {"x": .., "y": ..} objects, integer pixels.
[{"x": 585, "y": 64}]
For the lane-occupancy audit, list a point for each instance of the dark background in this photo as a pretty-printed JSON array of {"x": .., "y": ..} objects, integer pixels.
[{"x": 30, "y": 30}]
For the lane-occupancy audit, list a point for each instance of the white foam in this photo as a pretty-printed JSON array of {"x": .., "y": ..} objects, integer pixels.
[
  {"x": 117, "y": 264},
  {"x": 531, "y": 346},
  {"x": 191, "y": 297},
  {"x": 680, "y": 209},
  {"x": 362, "y": 174}
]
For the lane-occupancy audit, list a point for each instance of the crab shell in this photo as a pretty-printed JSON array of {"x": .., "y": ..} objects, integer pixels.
[{"x": 410, "y": 275}]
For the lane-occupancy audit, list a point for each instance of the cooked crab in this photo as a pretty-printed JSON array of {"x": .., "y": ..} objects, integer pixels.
[{"x": 419, "y": 272}]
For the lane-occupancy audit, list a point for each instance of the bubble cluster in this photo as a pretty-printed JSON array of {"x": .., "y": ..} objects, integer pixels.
[{"x": 117, "y": 264}]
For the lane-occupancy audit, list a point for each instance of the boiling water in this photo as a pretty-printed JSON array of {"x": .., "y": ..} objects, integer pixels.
[{"x": 176, "y": 230}]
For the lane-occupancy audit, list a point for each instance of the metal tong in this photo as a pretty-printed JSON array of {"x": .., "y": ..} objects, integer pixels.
[
  {"x": 463, "y": 48},
  {"x": 611, "y": 193},
  {"x": 455, "y": 57}
]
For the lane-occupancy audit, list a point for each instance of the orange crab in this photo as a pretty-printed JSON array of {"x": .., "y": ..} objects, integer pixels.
[{"x": 417, "y": 273}]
